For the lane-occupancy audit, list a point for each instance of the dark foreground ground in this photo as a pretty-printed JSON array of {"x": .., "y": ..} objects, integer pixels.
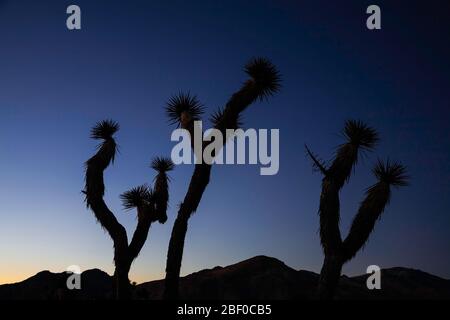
[{"x": 260, "y": 277}]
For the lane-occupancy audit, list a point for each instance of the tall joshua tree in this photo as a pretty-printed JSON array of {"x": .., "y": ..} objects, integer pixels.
[
  {"x": 183, "y": 110},
  {"x": 150, "y": 204},
  {"x": 359, "y": 138}
]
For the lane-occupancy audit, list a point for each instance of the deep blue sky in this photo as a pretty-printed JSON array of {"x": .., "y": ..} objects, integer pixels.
[{"x": 131, "y": 56}]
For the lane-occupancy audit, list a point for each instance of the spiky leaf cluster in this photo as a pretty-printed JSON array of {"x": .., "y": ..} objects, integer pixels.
[
  {"x": 183, "y": 103},
  {"x": 266, "y": 76},
  {"x": 162, "y": 165},
  {"x": 137, "y": 197},
  {"x": 104, "y": 129},
  {"x": 392, "y": 173},
  {"x": 359, "y": 134},
  {"x": 219, "y": 121}
]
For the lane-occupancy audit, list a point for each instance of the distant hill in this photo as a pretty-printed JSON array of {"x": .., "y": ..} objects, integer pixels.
[
  {"x": 46, "y": 285},
  {"x": 263, "y": 277},
  {"x": 260, "y": 277}
]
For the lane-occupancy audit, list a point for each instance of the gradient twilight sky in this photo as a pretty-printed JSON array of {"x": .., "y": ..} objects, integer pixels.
[{"x": 131, "y": 56}]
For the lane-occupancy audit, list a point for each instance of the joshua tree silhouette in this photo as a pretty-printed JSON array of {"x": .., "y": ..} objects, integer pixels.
[
  {"x": 360, "y": 138},
  {"x": 151, "y": 204},
  {"x": 184, "y": 109}
]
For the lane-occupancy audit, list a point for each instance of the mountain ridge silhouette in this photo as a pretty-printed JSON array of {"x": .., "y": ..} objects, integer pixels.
[{"x": 260, "y": 277}]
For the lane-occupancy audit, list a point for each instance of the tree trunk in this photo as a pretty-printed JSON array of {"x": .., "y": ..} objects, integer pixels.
[
  {"x": 122, "y": 287},
  {"x": 197, "y": 186},
  {"x": 174, "y": 256},
  {"x": 329, "y": 277}
]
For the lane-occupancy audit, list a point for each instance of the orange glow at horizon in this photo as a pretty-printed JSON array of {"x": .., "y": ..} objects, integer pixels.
[{"x": 16, "y": 274}]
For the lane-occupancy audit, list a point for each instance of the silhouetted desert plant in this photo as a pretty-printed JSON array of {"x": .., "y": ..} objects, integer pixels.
[
  {"x": 183, "y": 110},
  {"x": 359, "y": 138},
  {"x": 150, "y": 204}
]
